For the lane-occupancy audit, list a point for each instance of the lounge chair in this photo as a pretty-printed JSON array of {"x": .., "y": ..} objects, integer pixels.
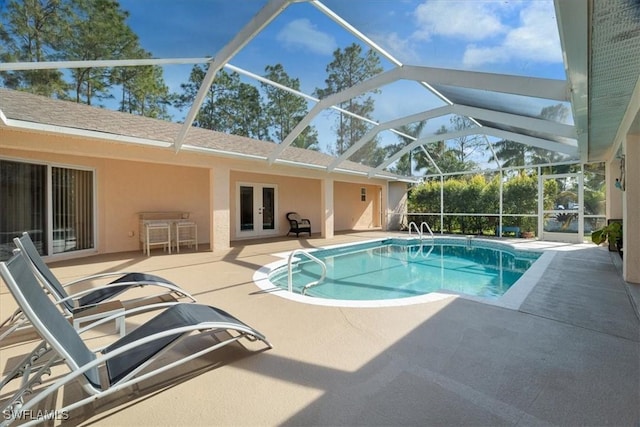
[
  {"x": 297, "y": 224},
  {"x": 125, "y": 362},
  {"x": 77, "y": 303}
]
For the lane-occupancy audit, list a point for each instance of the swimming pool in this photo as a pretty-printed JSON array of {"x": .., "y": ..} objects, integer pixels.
[{"x": 393, "y": 269}]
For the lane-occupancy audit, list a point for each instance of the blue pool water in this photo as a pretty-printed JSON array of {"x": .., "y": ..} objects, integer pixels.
[{"x": 397, "y": 268}]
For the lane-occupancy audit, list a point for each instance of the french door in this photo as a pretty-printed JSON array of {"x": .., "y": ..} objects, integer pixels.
[{"x": 256, "y": 210}]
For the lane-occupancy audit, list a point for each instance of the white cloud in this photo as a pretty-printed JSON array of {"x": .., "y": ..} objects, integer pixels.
[
  {"x": 474, "y": 56},
  {"x": 301, "y": 34},
  {"x": 536, "y": 39},
  {"x": 467, "y": 20},
  {"x": 401, "y": 48}
]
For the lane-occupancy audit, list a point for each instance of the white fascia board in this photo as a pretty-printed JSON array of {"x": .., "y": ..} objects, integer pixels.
[
  {"x": 63, "y": 130},
  {"x": 298, "y": 164},
  {"x": 224, "y": 153},
  {"x": 292, "y": 163},
  {"x": 60, "y": 130},
  {"x": 3, "y": 118},
  {"x": 504, "y": 83}
]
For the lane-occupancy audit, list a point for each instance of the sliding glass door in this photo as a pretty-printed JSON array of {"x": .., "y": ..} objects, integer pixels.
[
  {"x": 54, "y": 204},
  {"x": 23, "y": 201}
]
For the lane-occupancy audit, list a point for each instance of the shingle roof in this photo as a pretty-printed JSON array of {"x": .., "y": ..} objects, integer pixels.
[{"x": 26, "y": 107}]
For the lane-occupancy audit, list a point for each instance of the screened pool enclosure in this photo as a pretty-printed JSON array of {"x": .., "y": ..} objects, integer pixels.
[
  {"x": 484, "y": 109},
  {"x": 559, "y": 203}
]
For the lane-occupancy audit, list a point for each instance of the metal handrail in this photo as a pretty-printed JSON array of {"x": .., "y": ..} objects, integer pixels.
[
  {"x": 424, "y": 224},
  {"x": 312, "y": 258},
  {"x": 412, "y": 223},
  {"x": 420, "y": 230}
]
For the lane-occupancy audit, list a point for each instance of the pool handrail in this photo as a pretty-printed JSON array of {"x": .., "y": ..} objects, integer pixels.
[
  {"x": 424, "y": 224},
  {"x": 420, "y": 230},
  {"x": 414, "y": 225},
  {"x": 312, "y": 258}
]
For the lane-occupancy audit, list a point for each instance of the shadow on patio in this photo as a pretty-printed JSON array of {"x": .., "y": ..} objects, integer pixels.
[{"x": 568, "y": 356}]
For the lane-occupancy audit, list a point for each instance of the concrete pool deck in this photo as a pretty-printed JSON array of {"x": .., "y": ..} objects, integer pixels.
[{"x": 569, "y": 355}]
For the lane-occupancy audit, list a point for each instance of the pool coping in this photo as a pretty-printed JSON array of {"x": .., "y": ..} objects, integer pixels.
[{"x": 512, "y": 299}]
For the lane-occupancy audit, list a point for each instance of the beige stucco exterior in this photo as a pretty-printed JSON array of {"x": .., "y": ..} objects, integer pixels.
[
  {"x": 130, "y": 179},
  {"x": 351, "y": 212}
]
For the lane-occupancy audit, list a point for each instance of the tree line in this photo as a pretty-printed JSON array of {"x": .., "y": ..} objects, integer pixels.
[{"x": 72, "y": 30}]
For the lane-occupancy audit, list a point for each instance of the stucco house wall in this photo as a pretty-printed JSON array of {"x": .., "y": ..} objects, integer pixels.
[
  {"x": 351, "y": 212},
  {"x": 130, "y": 179}
]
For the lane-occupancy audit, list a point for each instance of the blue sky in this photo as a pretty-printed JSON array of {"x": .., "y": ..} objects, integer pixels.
[{"x": 508, "y": 37}]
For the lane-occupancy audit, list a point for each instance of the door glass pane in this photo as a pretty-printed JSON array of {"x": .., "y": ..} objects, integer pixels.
[
  {"x": 72, "y": 198},
  {"x": 564, "y": 222},
  {"x": 561, "y": 204},
  {"x": 246, "y": 208},
  {"x": 268, "y": 213},
  {"x": 22, "y": 205}
]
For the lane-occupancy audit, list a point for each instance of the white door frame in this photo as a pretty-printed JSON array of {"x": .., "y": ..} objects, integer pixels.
[{"x": 561, "y": 237}]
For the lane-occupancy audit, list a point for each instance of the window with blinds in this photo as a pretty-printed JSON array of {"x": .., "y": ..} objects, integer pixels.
[{"x": 66, "y": 225}]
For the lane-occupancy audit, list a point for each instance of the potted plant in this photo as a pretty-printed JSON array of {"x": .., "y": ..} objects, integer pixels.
[
  {"x": 528, "y": 234},
  {"x": 612, "y": 233},
  {"x": 528, "y": 226}
]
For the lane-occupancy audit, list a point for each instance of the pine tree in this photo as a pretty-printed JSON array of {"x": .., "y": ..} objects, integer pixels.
[
  {"x": 142, "y": 88},
  {"x": 349, "y": 68},
  {"x": 98, "y": 31},
  {"x": 33, "y": 33},
  {"x": 230, "y": 105},
  {"x": 284, "y": 110}
]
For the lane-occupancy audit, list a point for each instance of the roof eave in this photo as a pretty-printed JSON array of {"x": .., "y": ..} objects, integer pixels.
[{"x": 104, "y": 136}]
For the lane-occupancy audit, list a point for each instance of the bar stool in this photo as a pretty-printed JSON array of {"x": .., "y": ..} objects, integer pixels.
[
  {"x": 186, "y": 233},
  {"x": 156, "y": 233}
]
